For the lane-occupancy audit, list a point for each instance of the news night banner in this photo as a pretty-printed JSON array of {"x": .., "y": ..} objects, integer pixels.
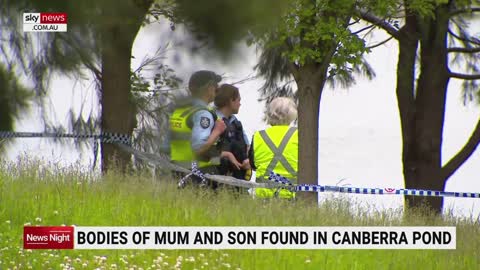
[
  {"x": 72, "y": 237},
  {"x": 45, "y": 22}
]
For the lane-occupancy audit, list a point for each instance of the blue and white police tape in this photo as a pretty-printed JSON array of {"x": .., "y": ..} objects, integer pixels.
[
  {"x": 195, "y": 172},
  {"x": 378, "y": 191},
  {"x": 105, "y": 137}
]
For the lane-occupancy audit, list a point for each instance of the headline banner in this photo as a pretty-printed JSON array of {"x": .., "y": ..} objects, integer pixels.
[{"x": 69, "y": 237}]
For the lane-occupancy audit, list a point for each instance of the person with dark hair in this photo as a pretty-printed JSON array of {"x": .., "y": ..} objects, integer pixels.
[
  {"x": 233, "y": 142},
  {"x": 194, "y": 129}
]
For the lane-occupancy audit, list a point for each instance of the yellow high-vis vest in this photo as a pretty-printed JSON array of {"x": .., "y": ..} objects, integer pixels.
[
  {"x": 181, "y": 151},
  {"x": 276, "y": 149}
]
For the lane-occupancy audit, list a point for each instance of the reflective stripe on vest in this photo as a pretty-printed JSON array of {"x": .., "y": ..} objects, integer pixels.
[
  {"x": 282, "y": 159},
  {"x": 180, "y": 136}
]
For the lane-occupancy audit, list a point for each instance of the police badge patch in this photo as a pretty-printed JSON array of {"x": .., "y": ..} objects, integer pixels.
[{"x": 204, "y": 122}]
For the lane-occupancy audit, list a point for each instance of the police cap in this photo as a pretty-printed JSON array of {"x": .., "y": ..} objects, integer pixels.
[{"x": 201, "y": 78}]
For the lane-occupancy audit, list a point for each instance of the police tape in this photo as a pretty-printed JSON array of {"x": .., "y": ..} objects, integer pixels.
[
  {"x": 124, "y": 142},
  {"x": 105, "y": 137},
  {"x": 276, "y": 178}
]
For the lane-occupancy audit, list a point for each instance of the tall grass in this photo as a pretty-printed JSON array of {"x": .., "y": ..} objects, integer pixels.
[{"x": 56, "y": 197}]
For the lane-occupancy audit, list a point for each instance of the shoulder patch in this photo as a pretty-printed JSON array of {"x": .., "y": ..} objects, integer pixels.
[{"x": 204, "y": 122}]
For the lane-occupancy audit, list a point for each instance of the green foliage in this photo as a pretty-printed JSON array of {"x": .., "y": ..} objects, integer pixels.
[
  {"x": 313, "y": 29},
  {"x": 14, "y": 100},
  {"x": 425, "y": 8},
  {"x": 154, "y": 86},
  {"x": 71, "y": 53},
  {"x": 317, "y": 33},
  {"x": 222, "y": 23}
]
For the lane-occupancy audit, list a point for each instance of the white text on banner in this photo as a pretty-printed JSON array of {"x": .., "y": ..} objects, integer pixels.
[{"x": 265, "y": 238}]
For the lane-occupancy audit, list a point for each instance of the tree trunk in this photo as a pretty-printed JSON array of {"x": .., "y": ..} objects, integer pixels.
[
  {"x": 118, "y": 110},
  {"x": 310, "y": 84},
  {"x": 423, "y": 117},
  {"x": 422, "y": 108}
]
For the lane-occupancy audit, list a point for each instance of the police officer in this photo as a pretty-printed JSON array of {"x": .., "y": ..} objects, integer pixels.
[
  {"x": 194, "y": 129},
  {"x": 276, "y": 148},
  {"x": 233, "y": 142}
]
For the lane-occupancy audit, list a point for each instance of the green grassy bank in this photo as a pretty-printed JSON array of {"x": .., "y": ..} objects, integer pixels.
[{"x": 70, "y": 198}]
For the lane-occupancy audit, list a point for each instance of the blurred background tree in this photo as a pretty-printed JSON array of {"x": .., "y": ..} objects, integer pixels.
[
  {"x": 433, "y": 38},
  {"x": 99, "y": 42}
]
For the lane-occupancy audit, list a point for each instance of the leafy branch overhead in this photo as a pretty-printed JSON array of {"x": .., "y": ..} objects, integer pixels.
[{"x": 313, "y": 31}]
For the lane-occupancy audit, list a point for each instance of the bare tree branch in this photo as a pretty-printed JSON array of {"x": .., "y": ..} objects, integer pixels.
[
  {"x": 464, "y": 76},
  {"x": 463, "y": 50},
  {"x": 363, "y": 29},
  {"x": 379, "y": 23},
  {"x": 354, "y": 22},
  {"x": 84, "y": 58},
  {"x": 248, "y": 78},
  {"x": 380, "y": 43},
  {"x": 463, "y": 154},
  {"x": 464, "y": 10},
  {"x": 293, "y": 69},
  {"x": 473, "y": 41}
]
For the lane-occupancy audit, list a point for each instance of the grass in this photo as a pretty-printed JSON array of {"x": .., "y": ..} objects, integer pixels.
[{"x": 56, "y": 197}]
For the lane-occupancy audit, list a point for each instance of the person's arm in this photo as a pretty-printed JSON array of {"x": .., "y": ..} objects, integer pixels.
[
  {"x": 247, "y": 142},
  {"x": 231, "y": 158},
  {"x": 250, "y": 156},
  {"x": 205, "y": 132}
]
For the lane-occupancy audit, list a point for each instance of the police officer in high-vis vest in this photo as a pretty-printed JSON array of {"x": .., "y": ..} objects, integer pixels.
[
  {"x": 276, "y": 148},
  {"x": 194, "y": 129}
]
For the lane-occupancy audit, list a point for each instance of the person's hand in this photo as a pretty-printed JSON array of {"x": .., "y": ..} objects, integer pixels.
[
  {"x": 219, "y": 127},
  {"x": 246, "y": 164},
  {"x": 232, "y": 159}
]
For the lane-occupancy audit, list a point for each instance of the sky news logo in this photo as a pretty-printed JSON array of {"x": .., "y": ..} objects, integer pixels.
[{"x": 45, "y": 22}]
